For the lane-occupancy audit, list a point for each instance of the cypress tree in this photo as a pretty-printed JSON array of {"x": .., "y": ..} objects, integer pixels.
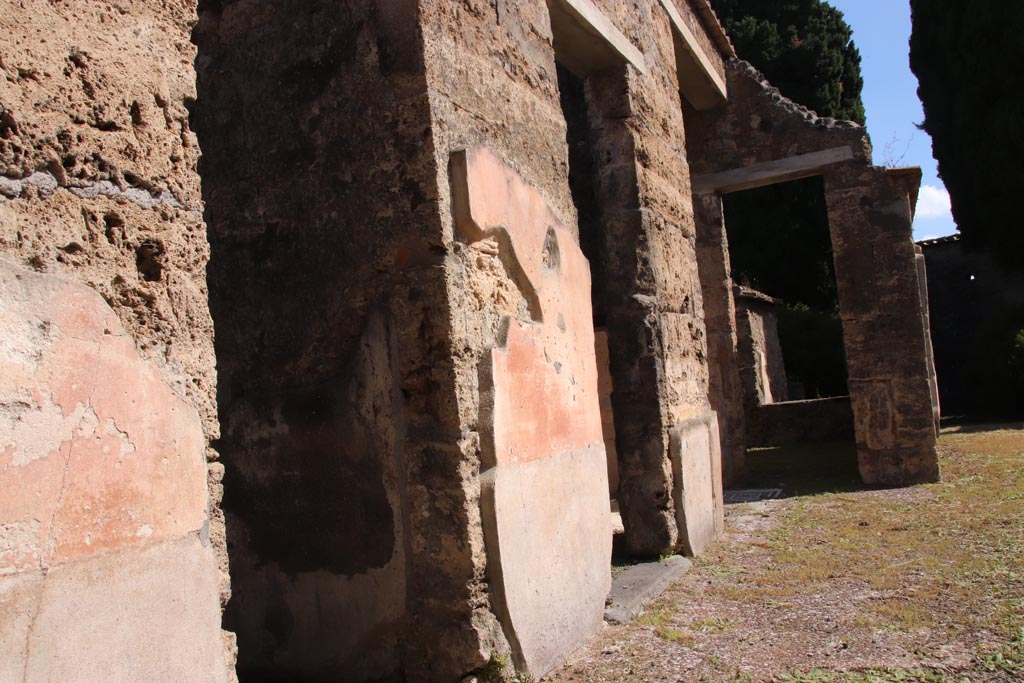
[
  {"x": 804, "y": 47},
  {"x": 967, "y": 57}
]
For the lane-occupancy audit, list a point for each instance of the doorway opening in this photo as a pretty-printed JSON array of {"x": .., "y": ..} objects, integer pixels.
[
  {"x": 583, "y": 181},
  {"x": 790, "y": 348}
]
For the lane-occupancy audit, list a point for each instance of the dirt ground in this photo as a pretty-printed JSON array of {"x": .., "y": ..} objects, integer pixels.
[{"x": 838, "y": 584}]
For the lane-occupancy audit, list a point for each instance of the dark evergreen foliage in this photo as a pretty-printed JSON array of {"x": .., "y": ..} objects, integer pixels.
[
  {"x": 804, "y": 47},
  {"x": 968, "y": 57},
  {"x": 779, "y": 242}
]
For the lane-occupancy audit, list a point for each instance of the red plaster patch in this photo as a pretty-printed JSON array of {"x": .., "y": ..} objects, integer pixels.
[{"x": 98, "y": 452}]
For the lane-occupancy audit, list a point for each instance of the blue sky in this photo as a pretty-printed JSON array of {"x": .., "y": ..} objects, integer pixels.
[{"x": 881, "y": 30}]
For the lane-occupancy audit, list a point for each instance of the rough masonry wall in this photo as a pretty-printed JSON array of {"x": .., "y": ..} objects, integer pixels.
[
  {"x": 725, "y": 392},
  {"x": 762, "y": 366},
  {"x": 883, "y": 325},
  {"x": 692, "y": 16},
  {"x": 492, "y": 83},
  {"x": 107, "y": 401},
  {"x": 545, "y": 501},
  {"x": 879, "y": 290},
  {"x": 760, "y": 125},
  {"x": 652, "y": 292},
  {"x": 794, "y": 422},
  {"x": 332, "y": 340}
]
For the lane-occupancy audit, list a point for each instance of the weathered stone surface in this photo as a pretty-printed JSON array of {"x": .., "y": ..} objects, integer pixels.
[
  {"x": 98, "y": 184},
  {"x": 933, "y": 380},
  {"x": 772, "y": 172},
  {"x": 98, "y": 453},
  {"x": 19, "y": 598},
  {"x": 650, "y": 292},
  {"x": 883, "y": 325},
  {"x": 586, "y": 41},
  {"x": 552, "y": 536},
  {"x": 761, "y": 126},
  {"x": 605, "y": 389},
  {"x": 546, "y": 512},
  {"x": 697, "y": 465},
  {"x": 778, "y": 424},
  {"x": 104, "y": 475},
  {"x": 700, "y": 70},
  {"x": 99, "y": 163},
  {"x": 637, "y": 585},
  {"x": 348, "y": 487},
  {"x": 724, "y": 386},
  {"x": 413, "y": 446},
  {"x": 761, "y": 364}
]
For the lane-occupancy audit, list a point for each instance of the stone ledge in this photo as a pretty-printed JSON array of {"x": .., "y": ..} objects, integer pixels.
[
  {"x": 699, "y": 82},
  {"x": 586, "y": 41},
  {"x": 638, "y": 585}
]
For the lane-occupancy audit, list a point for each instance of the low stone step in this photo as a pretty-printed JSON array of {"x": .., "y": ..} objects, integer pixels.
[{"x": 638, "y": 585}]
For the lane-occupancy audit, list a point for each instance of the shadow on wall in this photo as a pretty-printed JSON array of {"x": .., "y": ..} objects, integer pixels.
[{"x": 300, "y": 279}]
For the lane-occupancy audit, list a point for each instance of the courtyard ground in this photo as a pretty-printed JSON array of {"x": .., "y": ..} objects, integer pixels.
[{"x": 838, "y": 584}]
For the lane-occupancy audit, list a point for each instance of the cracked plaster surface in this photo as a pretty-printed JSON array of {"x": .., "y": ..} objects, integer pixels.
[{"x": 96, "y": 451}]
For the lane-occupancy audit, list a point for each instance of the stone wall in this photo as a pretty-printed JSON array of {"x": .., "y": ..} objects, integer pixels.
[
  {"x": 883, "y": 325},
  {"x": 761, "y": 363},
  {"x": 605, "y": 389},
  {"x": 493, "y": 83},
  {"x": 725, "y": 392},
  {"x": 651, "y": 294},
  {"x": 761, "y": 126},
  {"x": 110, "y": 514},
  {"x": 380, "y": 342},
  {"x": 762, "y": 138},
  {"x": 327, "y": 288},
  {"x": 792, "y": 422}
]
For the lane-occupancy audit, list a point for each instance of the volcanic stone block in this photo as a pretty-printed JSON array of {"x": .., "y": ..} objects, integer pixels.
[
  {"x": 546, "y": 511},
  {"x": 697, "y": 469},
  {"x": 633, "y": 588},
  {"x": 816, "y": 420},
  {"x": 725, "y": 391},
  {"x": 885, "y": 333}
]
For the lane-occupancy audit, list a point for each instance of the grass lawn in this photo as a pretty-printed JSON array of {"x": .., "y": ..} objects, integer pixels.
[{"x": 839, "y": 584}]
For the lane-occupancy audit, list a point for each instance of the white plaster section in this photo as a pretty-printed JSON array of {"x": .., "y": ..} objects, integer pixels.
[
  {"x": 771, "y": 172},
  {"x": 554, "y": 552},
  {"x": 586, "y": 41},
  {"x": 699, "y": 82},
  {"x": 105, "y": 611}
]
